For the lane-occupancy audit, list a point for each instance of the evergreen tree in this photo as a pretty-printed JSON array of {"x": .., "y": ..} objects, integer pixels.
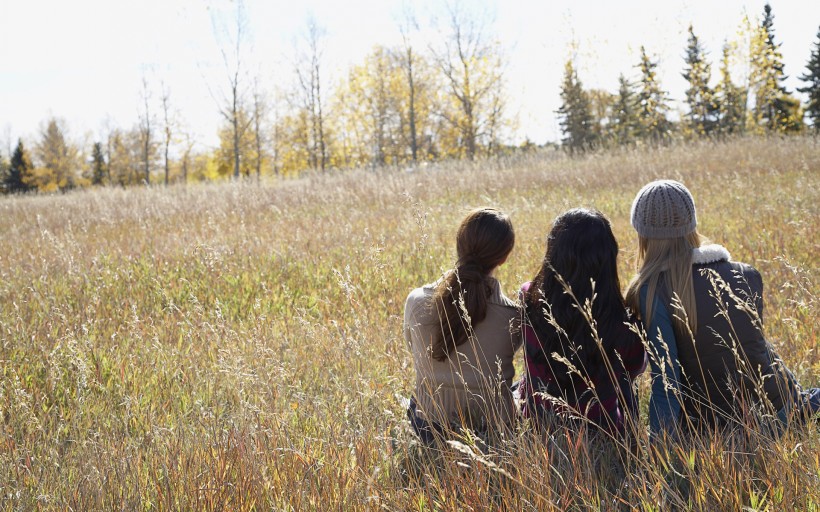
[
  {"x": 775, "y": 109},
  {"x": 601, "y": 105},
  {"x": 624, "y": 121},
  {"x": 4, "y": 169},
  {"x": 574, "y": 113},
  {"x": 652, "y": 103},
  {"x": 730, "y": 100},
  {"x": 98, "y": 167},
  {"x": 57, "y": 157},
  {"x": 701, "y": 118},
  {"x": 19, "y": 173},
  {"x": 812, "y": 88},
  {"x": 124, "y": 153}
]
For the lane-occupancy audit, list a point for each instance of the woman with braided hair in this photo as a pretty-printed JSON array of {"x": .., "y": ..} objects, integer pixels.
[{"x": 462, "y": 331}]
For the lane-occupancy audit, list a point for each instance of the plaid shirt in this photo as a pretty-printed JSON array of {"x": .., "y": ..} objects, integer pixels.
[{"x": 540, "y": 393}]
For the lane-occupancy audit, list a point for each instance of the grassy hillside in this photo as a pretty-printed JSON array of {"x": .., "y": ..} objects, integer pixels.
[{"x": 236, "y": 346}]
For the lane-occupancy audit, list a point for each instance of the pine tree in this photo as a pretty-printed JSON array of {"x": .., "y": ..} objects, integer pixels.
[
  {"x": 701, "y": 118},
  {"x": 601, "y": 105},
  {"x": 98, "y": 166},
  {"x": 17, "y": 178},
  {"x": 574, "y": 113},
  {"x": 730, "y": 100},
  {"x": 812, "y": 88},
  {"x": 57, "y": 157},
  {"x": 775, "y": 109},
  {"x": 4, "y": 169},
  {"x": 624, "y": 112},
  {"x": 651, "y": 103}
]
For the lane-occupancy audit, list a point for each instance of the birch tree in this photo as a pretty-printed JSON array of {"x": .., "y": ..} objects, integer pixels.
[
  {"x": 259, "y": 113},
  {"x": 231, "y": 99},
  {"x": 469, "y": 59},
  {"x": 167, "y": 129},
  {"x": 309, "y": 94},
  {"x": 146, "y": 131}
]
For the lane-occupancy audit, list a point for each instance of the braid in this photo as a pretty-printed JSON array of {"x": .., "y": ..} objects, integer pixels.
[
  {"x": 485, "y": 239},
  {"x": 461, "y": 303}
]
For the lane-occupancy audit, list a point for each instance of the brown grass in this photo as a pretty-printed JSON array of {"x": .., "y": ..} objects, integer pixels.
[{"x": 238, "y": 347}]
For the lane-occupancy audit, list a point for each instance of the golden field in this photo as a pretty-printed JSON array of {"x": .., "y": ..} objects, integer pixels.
[{"x": 238, "y": 346}]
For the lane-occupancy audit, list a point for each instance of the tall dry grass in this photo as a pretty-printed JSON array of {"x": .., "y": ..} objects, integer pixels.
[{"x": 238, "y": 347}]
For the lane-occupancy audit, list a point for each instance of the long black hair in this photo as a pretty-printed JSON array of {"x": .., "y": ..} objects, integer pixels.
[
  {"x": 581, "y": 258},
  {"x": 485, "y": 238}
]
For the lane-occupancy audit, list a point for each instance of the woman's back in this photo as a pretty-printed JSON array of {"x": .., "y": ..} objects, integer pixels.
[
  {"x": 462, "y": 335},
  {"x": 580, "y": 355},
  {"x": 728, "y": 361},
  {"x": 711, "y": 364},
  {"x": 473, "y": 382}
]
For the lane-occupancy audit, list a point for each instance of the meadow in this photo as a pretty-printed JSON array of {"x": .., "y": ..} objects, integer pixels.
[{"x": 238, "y": 346}]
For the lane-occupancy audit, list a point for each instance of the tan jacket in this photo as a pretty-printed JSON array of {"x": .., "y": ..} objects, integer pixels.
[{"x": 471, "y": 387}]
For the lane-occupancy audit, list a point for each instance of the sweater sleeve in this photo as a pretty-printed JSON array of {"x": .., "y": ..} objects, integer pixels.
[
  {"x": 633, "y": 354},
  {"x": 412, "y": 306},
  {"x": 664, "y": 406}
]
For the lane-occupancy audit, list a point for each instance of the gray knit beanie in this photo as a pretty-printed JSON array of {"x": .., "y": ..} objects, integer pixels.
[{"x": 664, "y": 209}]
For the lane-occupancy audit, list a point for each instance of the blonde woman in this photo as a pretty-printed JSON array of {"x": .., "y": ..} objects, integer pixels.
[
  {"x": 462, "y": 333},
  {"x": 710, "y": 362}
]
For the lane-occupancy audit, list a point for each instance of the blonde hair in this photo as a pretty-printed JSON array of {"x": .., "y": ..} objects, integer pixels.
[{"x": 670, "y": 258}]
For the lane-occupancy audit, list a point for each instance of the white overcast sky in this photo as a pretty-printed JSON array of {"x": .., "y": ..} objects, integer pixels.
[{"x": 83, "y": 60}]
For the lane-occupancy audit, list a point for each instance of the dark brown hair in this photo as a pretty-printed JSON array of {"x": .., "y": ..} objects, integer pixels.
[
  {"x": 485, "y": 239},
  {"x": 582, "y": 257}
]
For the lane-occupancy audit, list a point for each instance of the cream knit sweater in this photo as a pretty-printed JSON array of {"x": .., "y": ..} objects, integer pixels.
[{"x": 471, "y": 387}]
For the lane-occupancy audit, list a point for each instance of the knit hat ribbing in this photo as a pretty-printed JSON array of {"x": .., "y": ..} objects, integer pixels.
[{"x": 664, "y": 209}]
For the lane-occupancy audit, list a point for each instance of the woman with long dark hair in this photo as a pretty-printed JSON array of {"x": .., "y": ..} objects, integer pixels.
[
  {"x": 581, "y": 357},
  {"x": 463, "y": 335}
]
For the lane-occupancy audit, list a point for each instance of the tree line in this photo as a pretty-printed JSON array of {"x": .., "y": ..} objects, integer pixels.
[
  {"x": 409, "y": 104},
  {"x": 640, "y": 111}
]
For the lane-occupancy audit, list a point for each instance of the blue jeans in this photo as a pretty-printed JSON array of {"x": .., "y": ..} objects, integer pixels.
[
  {"x": 807, "y": 405},
  {"x": 428, "y": 431}
]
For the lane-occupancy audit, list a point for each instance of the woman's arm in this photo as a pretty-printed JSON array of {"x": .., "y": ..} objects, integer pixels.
[
  {"x": 633, "y": 354},
  {"x": 664, "y": 406}
]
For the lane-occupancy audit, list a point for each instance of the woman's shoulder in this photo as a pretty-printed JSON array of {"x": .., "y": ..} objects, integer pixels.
[
  {"x": 745, "y": 269},
  {"x": 507, "y": 303},
  {"x": 718, "y": 258},
  {"x": 422, "y": 292},
  {"x": 419, "y": 299},
  {"x": 746, "y": 275},
  {"x": 498, "y": 298}
]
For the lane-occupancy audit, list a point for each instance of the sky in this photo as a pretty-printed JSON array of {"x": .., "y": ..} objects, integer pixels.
[{"x": 84, "y": 61}]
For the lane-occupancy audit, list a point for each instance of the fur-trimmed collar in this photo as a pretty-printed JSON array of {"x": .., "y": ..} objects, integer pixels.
[{"x": 710, "y": 254}]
